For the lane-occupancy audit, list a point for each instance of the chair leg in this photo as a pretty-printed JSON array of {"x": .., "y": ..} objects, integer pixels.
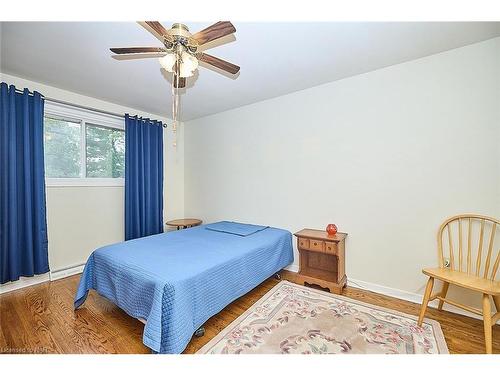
[
  {"x": 427, "y": 295},
  {"x": 487, "y": 323},
  {"x": 444, "y": 291},
  {"x": 496, "y": 299}
]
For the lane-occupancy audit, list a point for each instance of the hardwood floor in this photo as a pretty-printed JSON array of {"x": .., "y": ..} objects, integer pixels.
[{"x": 40, "y": 319}]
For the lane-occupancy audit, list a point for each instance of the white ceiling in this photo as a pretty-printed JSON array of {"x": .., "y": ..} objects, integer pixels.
[{"x": 275, "y": 58}]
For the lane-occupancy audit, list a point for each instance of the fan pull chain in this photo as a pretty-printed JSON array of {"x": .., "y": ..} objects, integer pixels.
[{"x": 175, "y": 99}]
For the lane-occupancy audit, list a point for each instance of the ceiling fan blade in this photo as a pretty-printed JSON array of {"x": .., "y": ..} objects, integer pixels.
[
  {"x": 216, "y": 31},
  {"x": 219, "y": 63},
  {"x": 138, "y": 56},
  {"x": 181, "y": 84},
  {"x": 157, "y": 29},
  {"x": 128, "y": 50}
]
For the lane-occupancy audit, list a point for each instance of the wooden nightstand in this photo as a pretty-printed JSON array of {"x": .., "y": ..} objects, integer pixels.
[{"x": 322, "y": 259}]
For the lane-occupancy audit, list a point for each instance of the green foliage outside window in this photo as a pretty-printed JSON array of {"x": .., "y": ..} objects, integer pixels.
[
  {"x": 62, "y": 148},
  {"x": 104, "y": 150}
]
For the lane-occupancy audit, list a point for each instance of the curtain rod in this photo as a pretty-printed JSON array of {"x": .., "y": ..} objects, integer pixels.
[
  {"x": 79, "y": 106},
  {"x": 84, "y": 107},
  {"x": 72, "y": 104},
  {"x": 29, "y": 92}
]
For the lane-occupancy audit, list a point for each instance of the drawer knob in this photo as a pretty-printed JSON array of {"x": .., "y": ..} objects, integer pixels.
[{"x": 315, "y": 243}]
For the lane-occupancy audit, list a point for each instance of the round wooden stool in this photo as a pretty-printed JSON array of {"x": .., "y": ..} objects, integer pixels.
[{"x": 184, "y": 223}]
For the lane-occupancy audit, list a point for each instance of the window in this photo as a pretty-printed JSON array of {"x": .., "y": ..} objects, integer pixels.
[{"x": 83, "y": 147}]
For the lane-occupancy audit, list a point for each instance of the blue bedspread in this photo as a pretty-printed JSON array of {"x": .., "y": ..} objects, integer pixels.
[{"x": 178, "y": 280}]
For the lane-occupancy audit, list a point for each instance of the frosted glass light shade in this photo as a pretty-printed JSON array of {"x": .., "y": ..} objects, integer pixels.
[
  {"x": 168, "y": 62},
  {"x": 189, "y": 60},
  {"x": 185, "y": 71}
]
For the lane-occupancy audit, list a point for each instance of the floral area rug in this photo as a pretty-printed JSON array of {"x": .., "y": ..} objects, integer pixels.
[{"x": 294, "y": 319}]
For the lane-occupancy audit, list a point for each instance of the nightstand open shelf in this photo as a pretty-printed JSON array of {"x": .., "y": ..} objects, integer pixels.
[
  {"x": 322, "y": 259},
  {"x": 324, "y": 275}
]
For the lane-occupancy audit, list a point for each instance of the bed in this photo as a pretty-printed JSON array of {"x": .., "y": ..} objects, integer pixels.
[{"x": 175, "y": 281}]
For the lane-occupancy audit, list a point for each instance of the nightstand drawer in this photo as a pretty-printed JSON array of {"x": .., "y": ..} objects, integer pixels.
[
  {"x": 304, "y": 243},
  {"x": 331, "y": 248},
  {"x": 316, "y": 245}
]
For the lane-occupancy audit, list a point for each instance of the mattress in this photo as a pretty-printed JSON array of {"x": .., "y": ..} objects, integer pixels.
[{"x": 176, "y": 281}]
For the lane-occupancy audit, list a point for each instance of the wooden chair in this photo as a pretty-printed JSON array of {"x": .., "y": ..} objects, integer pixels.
[{"x": 466, "y": 265}]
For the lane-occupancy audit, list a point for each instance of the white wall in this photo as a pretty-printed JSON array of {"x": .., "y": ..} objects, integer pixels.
[
  {"x": 386, "y": 155},
  {"x": 82, "y": 218}
]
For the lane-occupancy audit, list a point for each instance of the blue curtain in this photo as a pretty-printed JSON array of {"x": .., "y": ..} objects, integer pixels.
[
  {"x": 143, "y": 177},
  {"x": 23, "y": 224}
]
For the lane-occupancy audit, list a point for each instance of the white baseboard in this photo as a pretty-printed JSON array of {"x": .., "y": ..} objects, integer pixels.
[
  {"x": 396, "y": 293},
  {"x": 24, "y": 282},
  {"x": 292, "y": 268},
  {"x": 66, "y": 272},
  {"x": 407, "y": 296}
]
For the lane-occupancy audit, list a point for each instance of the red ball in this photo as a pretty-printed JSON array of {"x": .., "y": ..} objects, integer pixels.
[{"x": 331, "y": 229}]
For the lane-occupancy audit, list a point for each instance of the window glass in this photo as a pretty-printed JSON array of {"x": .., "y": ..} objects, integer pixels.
[
  {"x": 105, "y": 151},
  {"x": 62, "y": 143}
]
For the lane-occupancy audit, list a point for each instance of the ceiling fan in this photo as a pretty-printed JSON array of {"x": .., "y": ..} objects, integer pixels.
[
  {"x": 181, "y": 53},
  {"x": 181, "y": 50}
]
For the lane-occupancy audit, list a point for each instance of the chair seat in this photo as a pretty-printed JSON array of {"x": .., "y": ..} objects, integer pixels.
[{"x": 465, "y": 280}]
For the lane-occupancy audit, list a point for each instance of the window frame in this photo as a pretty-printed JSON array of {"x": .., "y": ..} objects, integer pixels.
[{"x": 83, "y": 116}]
